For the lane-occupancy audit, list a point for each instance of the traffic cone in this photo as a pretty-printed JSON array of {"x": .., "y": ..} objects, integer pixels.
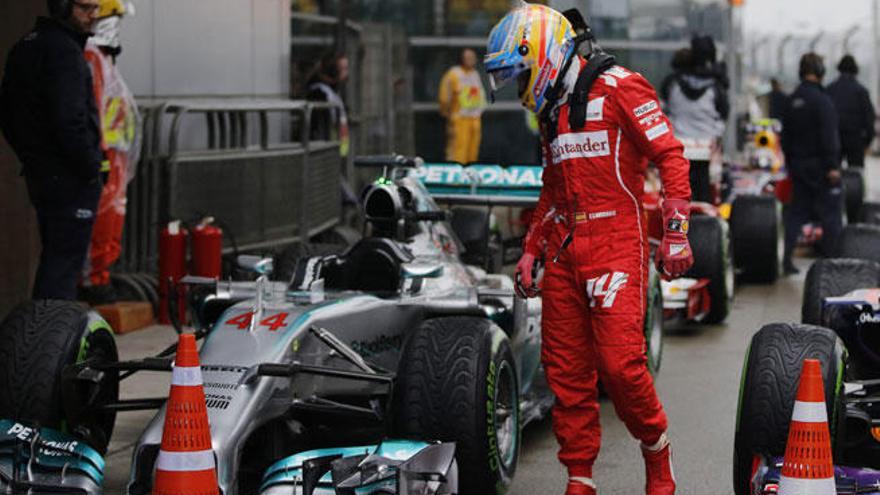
[
  {"x": 808, "y": 468},
  {"x": 186, "y": 465}
]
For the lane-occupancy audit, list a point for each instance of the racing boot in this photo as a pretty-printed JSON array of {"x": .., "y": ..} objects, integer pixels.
[
  {"x": 580, "y": 486},
  {"x": 658, "y": 468}
]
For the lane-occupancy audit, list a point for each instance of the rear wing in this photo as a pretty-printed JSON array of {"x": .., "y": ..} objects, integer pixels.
[{"x": 482, "y": 185}]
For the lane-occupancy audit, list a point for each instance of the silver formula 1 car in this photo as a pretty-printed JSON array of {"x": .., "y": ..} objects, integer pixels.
[{"x": 390, "y": 367}]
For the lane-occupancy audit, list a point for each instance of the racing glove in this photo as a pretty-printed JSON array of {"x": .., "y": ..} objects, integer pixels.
[
  {"x": 675, "y": 257},
  {"x": 525, "y": 284}
]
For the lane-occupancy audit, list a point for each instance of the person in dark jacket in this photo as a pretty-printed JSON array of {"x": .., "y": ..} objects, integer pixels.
[
  {"x": 48, "y": 116},
  {"x": 812, "y": 149},
  {"x": 855, "y": 111},
  {"x": 778, "y": 100}
]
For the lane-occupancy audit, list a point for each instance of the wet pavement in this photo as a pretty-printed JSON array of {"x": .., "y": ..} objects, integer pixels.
[{"x": 698, "y": 384}]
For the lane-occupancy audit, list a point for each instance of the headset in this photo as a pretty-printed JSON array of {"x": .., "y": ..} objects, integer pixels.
[
  {"x": 60, "y": 9},
  {"x": 812, "y": 63}
]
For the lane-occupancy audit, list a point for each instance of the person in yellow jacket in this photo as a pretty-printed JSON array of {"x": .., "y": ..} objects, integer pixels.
[
  {"x": 462, "y": 100},
  {"x": 121, "y": 140}
]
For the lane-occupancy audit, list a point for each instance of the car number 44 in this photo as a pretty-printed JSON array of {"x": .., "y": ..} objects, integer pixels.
[{"x": 274, "y": 322}]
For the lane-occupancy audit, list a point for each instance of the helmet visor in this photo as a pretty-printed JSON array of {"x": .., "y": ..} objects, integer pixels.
[{"x": 502, "y": 77}]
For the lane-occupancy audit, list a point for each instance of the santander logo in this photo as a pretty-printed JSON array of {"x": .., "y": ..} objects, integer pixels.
[{"x": 580, "y": 145}]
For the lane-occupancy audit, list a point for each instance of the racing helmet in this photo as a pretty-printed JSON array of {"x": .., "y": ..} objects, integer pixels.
[
  {"x": 530, "y": 45},
  {"x": 107, "y": 27},
  {"x": 108, "y": 8}
]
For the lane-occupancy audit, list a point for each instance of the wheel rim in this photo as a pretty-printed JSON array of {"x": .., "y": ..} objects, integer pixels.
[
  {"x": 729, "y": 277},
  {"x": 96, "y": 428},
  {"x": 506, "y": 417},
  {"x": 656, "y": 337}
]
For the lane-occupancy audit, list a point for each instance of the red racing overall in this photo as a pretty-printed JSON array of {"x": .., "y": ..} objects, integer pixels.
[{"x": 594, "y": 294}]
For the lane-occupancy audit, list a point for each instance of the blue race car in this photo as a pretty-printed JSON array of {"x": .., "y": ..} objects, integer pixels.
[{"x": 841, "y": 313}]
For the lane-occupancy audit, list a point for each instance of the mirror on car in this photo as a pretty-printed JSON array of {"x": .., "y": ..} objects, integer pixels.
[{"x": 256, "y": 264}]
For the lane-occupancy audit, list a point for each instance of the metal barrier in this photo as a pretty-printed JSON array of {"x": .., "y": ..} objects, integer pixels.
[{"x": 265, "y": 191}]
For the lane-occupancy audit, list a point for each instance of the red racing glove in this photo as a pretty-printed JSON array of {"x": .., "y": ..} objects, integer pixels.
[
  {"x": 524, "y": 283},
  {"x": 675, "y": 257}
]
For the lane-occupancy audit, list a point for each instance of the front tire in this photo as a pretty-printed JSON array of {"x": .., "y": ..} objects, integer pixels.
[
  {"x": 457, "y": 381},
  {"x": 860, "y": 241},
  {"x": 832, "y": 278},
  {"x": 768, "y": 389},
  {"x": 710, "y": 242},
  {"x": 754, "y": 231},
  {"x": 854, "y": 190},
  {"x": 38, "y": 341}
]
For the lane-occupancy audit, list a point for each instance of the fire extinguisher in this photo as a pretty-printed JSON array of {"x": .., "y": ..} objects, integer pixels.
[
  {"x": 207, "y": 249},
  {"x": 172, "y": 267}
]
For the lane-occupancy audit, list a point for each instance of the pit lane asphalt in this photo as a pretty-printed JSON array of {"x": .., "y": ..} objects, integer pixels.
[{"x": 698, "y": 384}]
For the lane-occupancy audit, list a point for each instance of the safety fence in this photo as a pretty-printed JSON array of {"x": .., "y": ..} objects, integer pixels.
[
  {"x": 248, "y": 163},
  {"x": 378, "y": 94}
]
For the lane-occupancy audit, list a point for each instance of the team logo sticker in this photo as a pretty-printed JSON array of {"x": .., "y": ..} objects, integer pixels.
[
  {"x": 657, "y": 131},
  {"x": 596, "y": 110},
  {"x": 580, "y": 145},
  {"x": 642, "y": 110}
]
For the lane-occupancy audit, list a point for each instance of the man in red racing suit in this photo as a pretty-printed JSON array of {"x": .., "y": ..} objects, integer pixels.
[{"x": 594, "y": 287}]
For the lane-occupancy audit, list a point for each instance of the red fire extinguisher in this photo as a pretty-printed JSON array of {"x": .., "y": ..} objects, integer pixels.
[
  {"x": 172, "y": 267},
  {"x": 207, "y": 249}
]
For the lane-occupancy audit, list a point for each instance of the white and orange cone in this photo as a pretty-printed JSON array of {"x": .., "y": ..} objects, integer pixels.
[
  {"x": 186, "y": 465},
  {"x": 808, "y": 468}
]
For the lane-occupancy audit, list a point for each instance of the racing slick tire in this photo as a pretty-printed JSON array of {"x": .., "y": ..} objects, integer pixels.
[
  {"x": 835, "y": 277},
  {"x": 860, "y": 241},
  {"x": 710, "y": 242},
  {"x": 38, "y": 341},
  {"x": 871, "y": 213},
  {"x": 854, "y": 193},
  {"x": 768, "y": 387},
  {"x": 457, "y": 381},
  {"x": 754, "y": 232},
  {"x": 654, "y": 322}
]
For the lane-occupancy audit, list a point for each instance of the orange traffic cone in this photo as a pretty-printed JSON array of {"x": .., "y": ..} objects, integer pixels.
[
  {"x": 808, "y": 468},
  {"x": 185, "y": 465}
]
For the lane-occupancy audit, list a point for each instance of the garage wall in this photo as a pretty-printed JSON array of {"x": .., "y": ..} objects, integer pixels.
[
  {"x": 184, "y": 48},
  {"x": 19, "y": 241}
]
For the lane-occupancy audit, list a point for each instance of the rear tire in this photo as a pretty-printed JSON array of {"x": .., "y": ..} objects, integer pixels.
[
  {"x": 854, "y": 190},
  {"x": 754, "y": 231},
  {"x": 38, "y": 340},
  {"x": 710, "y": 243},
  {"x": 457, "y": 381},
  {"x": 835, "y": 277},
  {"x": 768, "y": 388},
  {"x": 860, "y": 241}
]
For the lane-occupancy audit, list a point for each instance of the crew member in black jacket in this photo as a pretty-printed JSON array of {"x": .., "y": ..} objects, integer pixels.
[
  {"x": 48, "y": 116},
  {"x": 812, "y": 155},
  {"x": 855, "y": 111}
]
